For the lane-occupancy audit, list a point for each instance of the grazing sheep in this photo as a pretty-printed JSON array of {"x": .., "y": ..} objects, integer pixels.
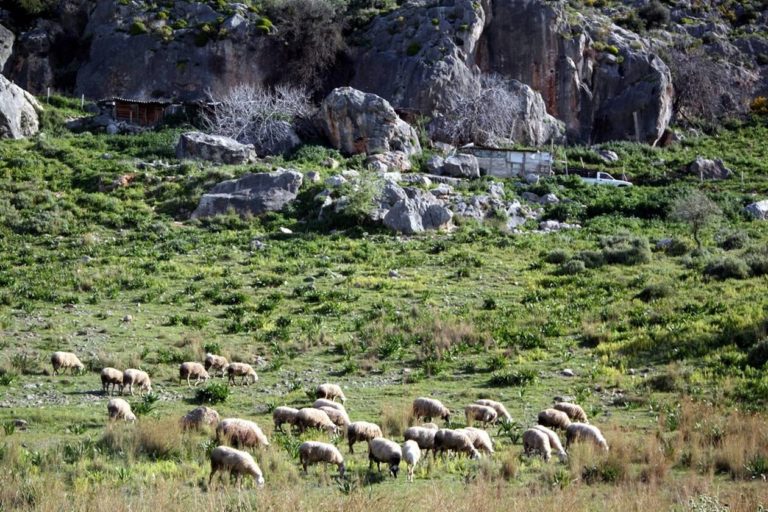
[
  {"x": 133, "y": 377},
  {"x": 309, "y": 417},
  {"x": 192, "y": 369},
  {"x": 215, "y": 362},
  {"x": 111, "y": 376},
  {"x": 282, "y": 415},
  {"x": 243, "y": 370},
  {"x": 63, "y": 360},
  {"x": 383, "y": 450},
  {"x": 312, "y": 452},
  {"x": 447, "y": 439},
  {"x": 411, "y": 456},
  {"x": 322, "y": 402},
  {"x": 119, "y": 409},
  {"x": 224, "y": 458},
  {"x": 424, "y": 437},
  {"x": 340, "y": 418},
  {"x": 583, "y": 431},
  {"x": 481, "y": 439},
  {"x": 331, "y": 392},
  {"x": 536, "y": 441},
  {"x": 501, "y": 412},
  {"x": 429, "y": 408},
  {"x": 574, "y": 412},
  {"x": 481, "y": 413},
  {"x": 200, "y": 417},
  {"x": 431, "y": 426},
  {"x": 362, "y": 431},
  {"x": 240, "y": 433},
  {"x": 554, "y": 419},
  {"x": 554, "y": 441}
]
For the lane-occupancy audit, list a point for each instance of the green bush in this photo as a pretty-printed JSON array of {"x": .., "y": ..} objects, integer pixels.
[
  {"x": 734, "y": 240},
  {"x": 558, "y": 256},
  {"x": 655, "y": 292},
  {"x": 728, "y": 267},
  {"x": 517, "y": 378},
  {"x": 655, "y": 14},
  {"x": 137, "y": 27},
  {"x": 625, "y": 250},
  {"x": 413, "y": 49},
  {"x": 572, "y": 267},
  {"x": 146, "y": 405},
  {"x": 590, "y": 259},
  {"x": 758, "y": 262},
  {"x": 213, "y": 393},
  {"x": 758, "y": 355}
]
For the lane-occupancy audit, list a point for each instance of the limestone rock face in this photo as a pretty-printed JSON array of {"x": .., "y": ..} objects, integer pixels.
[
  {"x": 6, "y": 45},
  {"x": 214, "y": 148},
  {"x": 18, "y": 111},
  {"x": 417, "y": 213},
  {"x": 707, "y": 169},
  {"x": 461, "y": 165}
]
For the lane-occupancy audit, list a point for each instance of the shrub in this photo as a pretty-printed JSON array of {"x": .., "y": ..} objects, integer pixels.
[
  {"x": 626, "y": 250},
  {"x": 655, "y": 14},
  {"x": 213, "y": 393},
  {"x": 727, "y": 268},
  {"x": 518, "y": 378},
  {"x": 146, "y": 405},
  {"x": 759, "y": 105},
  {"x": 572, "y": 267},
  {"x": 758, "y": 355},
  {"x": 591, "y": 259},
  {"x": 413, "y": 49},
  {"x": 758, "y": 262},
  {"x": 735, "y": 240},
  {"x": 137, "y": 27},
  {"x": 558, "y": 256},
  {"x": 655, "y": 291}
]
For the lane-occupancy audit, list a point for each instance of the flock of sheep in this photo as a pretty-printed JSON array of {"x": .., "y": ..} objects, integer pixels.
[{"x": 331, "y": 416}]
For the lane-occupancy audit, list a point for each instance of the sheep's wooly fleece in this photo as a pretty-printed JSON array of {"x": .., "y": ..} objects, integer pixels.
[{"x": 236, "y": 462}]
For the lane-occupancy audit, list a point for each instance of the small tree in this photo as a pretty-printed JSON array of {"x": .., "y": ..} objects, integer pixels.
[{"x": 696, "y": 210}]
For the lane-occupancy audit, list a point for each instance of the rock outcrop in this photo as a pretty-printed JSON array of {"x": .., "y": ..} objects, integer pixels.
[
  {"x": 707, "y": 169},
  {"x": 18, "y": 111},
  {"x": 758, "y": 210},
  {"x": 214, "y": 148},
  {"x": 461, "y": 165},
  {"x": 6, "y": 45}
]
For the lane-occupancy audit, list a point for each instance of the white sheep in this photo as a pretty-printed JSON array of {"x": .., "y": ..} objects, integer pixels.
[
  {"x": 119, "y": 409},
  {"x": 200, "y": 417},
  {"x": 574, "y": 412},
  {"x": 111, "y": 376},
  {"x": 133, "y": 377},
  {"x": 554, "y": 419},
  {"x": 431, "y": 426},
  {"x": 309, "y": 417},
  {"x": 536, "y": 441},
  {"x": 218, "y": 363},
  {"x": 482, "y": 413},
  {"x": 240, "y": 433},
  {"x": 411, "y": 456},
  {"x": 224, "y": 458},
  {"x": 481, "y": 439},
  {"x": 63, "y": 360},
  {"x": 501, "y": 412},
  {"x": 282, "y": 415},
  {"x": 243, "y": 370},
  {"x": 312, "y": 452},
  {"x": 330, "y": 391},
  {"x": 192, "y": 369},
  {"x": 447, "y": 439},
  {"x": 424, "y": 437},
  {"x": 340, "y": 418},
  {"x": 583, "y": 431},
  {"x": 429, "y": 408},
  {"x": 324, "y": 402},
  {"x": 362, "y": 431},
  {"x": 554, "y": 441},
  {"x": 383, "y": 450}
]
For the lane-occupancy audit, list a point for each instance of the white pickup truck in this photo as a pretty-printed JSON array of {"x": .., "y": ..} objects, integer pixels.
[{"x": 603, "y": 178}]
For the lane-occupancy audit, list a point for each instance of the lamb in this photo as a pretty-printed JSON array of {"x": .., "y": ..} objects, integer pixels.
[
  {"x": 574, "y": 412},
  {"x": 481, "y": 439},
  {"x": 536, "y": 441},
  {"x": 139, "y": 378},
  {"x": 481, "y": 413},
  {"x": 362, "y": 431},
  {"x": 309, "y": 417},
  {"x": 224, "y": 458},
  {"x": 331, "y": 392},
  {"x": 424, "y": 437},
  {"x": 554, "y": 442},
  {"x": 429, "y": 408},
  {"x": 411, "y": 456},
  {"x": 323, "y": 402},
  {"x": 63, "y": 360},
  {"x": 340, "y": 418},
  {"x": 282, "y": 415},
  {"x": 240, "y": 433},
  {"x": 119, "y": 409},
  {"x": 501, "y": 412},
  {"x": 554, "y": 419},
  {"x": 447, "y": 439},
  {"x": 312, "y": 452},
  {"x": 111, "y": 376},
  {"x": 383, "y": 450},
  {"x": 192, "y": 369},
  {"x": 215, "y": 362},
  {"x": 583, "y": 431},
  {"x": 243, "y": 370},
  {"x": 200, "y": 417}
]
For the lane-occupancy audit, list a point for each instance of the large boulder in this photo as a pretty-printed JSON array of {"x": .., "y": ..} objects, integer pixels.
[
  {"x": 758, "y": 210},
  {"x": 391, "y": 161},
  {"x": 707, "y": 169},
  {"x": 357, "y": 122},
  {"x": 417, "y": 213},
  {"x": 6, "y": 45},
  {"x": 461, "y": 165},
  {"x": 18, "y": 111},
  {"x": 214, "y": 148},
  {"x": 252, "y": 194}
]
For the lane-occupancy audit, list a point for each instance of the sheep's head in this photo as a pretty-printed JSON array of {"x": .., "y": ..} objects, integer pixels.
[
  {"x": 253, "y": 376},
  {"x": 342, "y": 469}
]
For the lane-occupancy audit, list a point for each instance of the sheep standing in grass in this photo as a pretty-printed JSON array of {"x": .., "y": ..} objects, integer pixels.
[
  {"x": 362, "y": 431},
  {"x": 240, "y": 433},
  {"x": 331, "y": 392},
  {"x": 554, "y": 442},
  {"x": 119, "y": 409},
  {"x": 224, "y": 458},
  {"x": 431, "y": 426},
  {"x": 190, "y": 370},
  {"x": 447, "y": 439},
  {"x": 200, "y": 417},
  {"x": 424, "y": 437},
  {"x": 340, "y": 418},
  {"x": 429, "y": 408},
  {"x": 411, "y": 456},
  {"x": 63, "y": 360},
  {"x": 536, "y": 441},
  {"x": 583, "y": 431},
  {"x": 111, "y": 376},
  {"x": 282, "y": 415},
  {"x": 574, "y": 412},
  {"x": 133, "y": 377},
  {"x": 383, "y": 450},
  {"x": 218, "y": 363},
  {"x": 312, "y": 452},
  {"x": 309, "y": 417},
  {"x": 554, "y": 419},
  {"x": 323, "y": 402},
  {"x": 501, "y": 412},
  {"x": 243, "y": 370},
  {"x": 482, "y": 413},
  {"x": 481, "y": 439}
]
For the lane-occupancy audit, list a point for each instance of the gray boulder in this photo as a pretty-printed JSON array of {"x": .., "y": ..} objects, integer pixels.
[
  {"x": 461, "y": 165},
  {"x": 435, "y": 164},
  {"x": 252, "y": 194},
  {"x": 417, "y": 214},
  {"x": 547, "y": 199},
  {"x": 6, "y": 45},
  {"x": 607, "y": 155},
  {"x": 357, "y": 122},
  {"x": 214, "y": 148},
  {"x": 391, "y": 161},
  {"x": 18, "y": 111},
  {"x": 758, "y": 210},
  {"x": 707, "y": 169}
]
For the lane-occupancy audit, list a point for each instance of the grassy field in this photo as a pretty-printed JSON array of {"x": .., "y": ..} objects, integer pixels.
[{"x": 668, "y": 346}]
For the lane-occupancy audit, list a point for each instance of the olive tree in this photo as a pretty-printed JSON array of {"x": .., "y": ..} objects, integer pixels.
[{"x": 696, "y": 210}]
